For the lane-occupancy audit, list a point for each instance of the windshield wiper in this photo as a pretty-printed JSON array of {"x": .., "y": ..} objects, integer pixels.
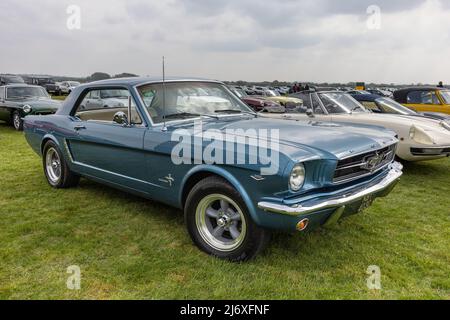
[{"x": 236, "y": 111}]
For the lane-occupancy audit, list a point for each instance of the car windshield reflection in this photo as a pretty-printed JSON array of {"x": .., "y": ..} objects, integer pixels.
[
  {"x": 335, "y": 102},
  {"x": 183, "y": 100}
]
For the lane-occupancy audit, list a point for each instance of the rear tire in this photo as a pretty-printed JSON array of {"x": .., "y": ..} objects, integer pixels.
[
  {"x": 56, "y": 169},
  {"x": 218, "y": 222}
]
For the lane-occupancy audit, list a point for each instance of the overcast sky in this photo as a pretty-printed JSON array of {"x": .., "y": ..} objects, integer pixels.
[{"x": 254, "y": 40}]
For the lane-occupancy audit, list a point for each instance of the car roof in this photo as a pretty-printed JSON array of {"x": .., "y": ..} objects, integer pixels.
[
  {"x": 401, "y": 94},
  {"x": 419, "y": 88},
  {"x": 134, "y": 81}
]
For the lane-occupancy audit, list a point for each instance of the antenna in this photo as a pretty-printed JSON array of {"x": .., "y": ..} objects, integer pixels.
[{"x": 164, "y": 128}]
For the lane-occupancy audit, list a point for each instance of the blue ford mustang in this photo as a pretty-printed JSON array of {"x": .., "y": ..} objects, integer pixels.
[{"x": 186, "y": 143}]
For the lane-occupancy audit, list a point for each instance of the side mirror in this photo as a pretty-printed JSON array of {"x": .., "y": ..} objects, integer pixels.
[
  {"x": 121, "y": 118},
  {"x": 310, "y": 113}
]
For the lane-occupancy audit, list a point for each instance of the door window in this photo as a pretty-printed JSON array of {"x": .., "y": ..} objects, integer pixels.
[
  {"x": 112, "y": 102},
  {"x": 422, "y": 97}
]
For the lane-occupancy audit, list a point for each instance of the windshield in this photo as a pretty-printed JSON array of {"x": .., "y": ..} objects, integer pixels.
[
  {"x": 336, "y": 102},
  {"x": 271, "y": 93},
  {"x": 239, "y": 92},
  {"x": 189, "y": 100},
  {"x": 73, "y": 83},
  {"x": 446, "y": 96},
  {"x": 26, "y": 92},
  {"x": 390, "y": 106}
]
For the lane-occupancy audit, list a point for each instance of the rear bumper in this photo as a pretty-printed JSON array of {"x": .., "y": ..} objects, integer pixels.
[{"x": 380, "y": 189}]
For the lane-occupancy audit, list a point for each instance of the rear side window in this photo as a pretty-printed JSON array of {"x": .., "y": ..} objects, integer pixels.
[
  {"x": 422, "y": 97},
  {"x": 103, "y": 104}
]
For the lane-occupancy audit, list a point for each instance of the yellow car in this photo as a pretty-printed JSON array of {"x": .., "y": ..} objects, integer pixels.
[
  {"x": 285, "y": 101},
  {"x": 425, "y": 99}
]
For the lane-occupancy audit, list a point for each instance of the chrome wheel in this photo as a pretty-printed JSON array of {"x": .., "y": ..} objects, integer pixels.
[
  {"x": 220, "y": 222},
  {"x": 53, "y": 165},
  {"x": 16, "y": 120}
]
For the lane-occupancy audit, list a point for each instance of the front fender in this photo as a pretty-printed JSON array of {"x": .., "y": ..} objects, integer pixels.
[{"x": 228, "y": 177}]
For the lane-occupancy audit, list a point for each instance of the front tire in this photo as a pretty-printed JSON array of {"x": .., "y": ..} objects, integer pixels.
[
  {"x": 17, "y": 121},
  {"x": 218, "y": 222},
  {"x": 56, "y": 169}
]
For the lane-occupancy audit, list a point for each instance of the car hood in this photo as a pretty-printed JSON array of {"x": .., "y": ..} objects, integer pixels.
[
  {"x": 428, "y": 124},
  {"x": 312, "y": 139}
]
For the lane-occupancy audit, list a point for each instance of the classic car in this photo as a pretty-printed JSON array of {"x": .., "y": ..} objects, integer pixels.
[
  {"x": 256, "y": 103},
  {"x": 10, "y": 79},
  {"x": 66, "y": 87},
  {"x": 425, "y": 99},
  {"x": 290, "y": 102},
  {"x": 381, "y": 104},
  {"x": 44, "y": 81},
  {"x": 420, "y": 138},
  {"x": 20, "y": 100},
  {"x": 157, "y": 147}
]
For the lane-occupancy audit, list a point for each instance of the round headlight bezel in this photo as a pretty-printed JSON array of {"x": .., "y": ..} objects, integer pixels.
[
  {"x": 297, "y": 177},
  {"x": 27, "y": 108}
]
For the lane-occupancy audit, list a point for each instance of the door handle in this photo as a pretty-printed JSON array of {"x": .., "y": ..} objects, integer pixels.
[{"x": 79, "y": 127}]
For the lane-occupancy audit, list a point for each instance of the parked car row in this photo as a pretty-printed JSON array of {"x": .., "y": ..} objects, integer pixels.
[
  {"x": 331, "y": 156},
  {"x": 47, "y": 82}
]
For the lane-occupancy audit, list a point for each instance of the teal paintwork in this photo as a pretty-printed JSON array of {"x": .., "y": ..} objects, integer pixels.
[{"x": 137, "y": 159}]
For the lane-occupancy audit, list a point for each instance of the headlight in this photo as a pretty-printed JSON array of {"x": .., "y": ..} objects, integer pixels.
[
  {"x": 420, "y": 136},
  {"x": 297, "y": 177},
  {"x": 26, "y": 108}
]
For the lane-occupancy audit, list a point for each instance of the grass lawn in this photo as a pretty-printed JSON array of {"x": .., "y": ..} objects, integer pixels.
[{"x": 132, "y": 248}]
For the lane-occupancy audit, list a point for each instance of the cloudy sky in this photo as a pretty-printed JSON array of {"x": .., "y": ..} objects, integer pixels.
[{"x": 254, "y": 40}]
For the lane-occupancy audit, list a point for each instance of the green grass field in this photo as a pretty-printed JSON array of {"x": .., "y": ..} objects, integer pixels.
[{"x": 131, "y": 248}]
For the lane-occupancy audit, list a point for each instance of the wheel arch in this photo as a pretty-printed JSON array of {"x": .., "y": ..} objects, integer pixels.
[
  {"x": 47, "y": 138},
  {"x": 199, "y": 173}
]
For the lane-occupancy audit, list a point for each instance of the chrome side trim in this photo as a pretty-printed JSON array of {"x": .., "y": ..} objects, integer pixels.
[{"x": 395, "y": 172}]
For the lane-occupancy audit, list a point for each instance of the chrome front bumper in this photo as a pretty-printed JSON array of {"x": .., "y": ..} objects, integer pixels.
[{"x": 386, "y": 184}]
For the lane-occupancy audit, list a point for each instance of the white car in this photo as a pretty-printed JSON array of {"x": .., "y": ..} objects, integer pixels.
[
  {"x": 66, "y": 87},
  {"x": 420, "y": 138}
]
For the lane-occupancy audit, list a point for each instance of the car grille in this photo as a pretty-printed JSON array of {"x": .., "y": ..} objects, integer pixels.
[{"x": 363, "y": 164}]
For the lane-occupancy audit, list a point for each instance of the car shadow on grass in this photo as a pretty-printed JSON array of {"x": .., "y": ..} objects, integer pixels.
[
  {"x": 285, "y": 246},
  {"x": 151, "y": 206},
  {"x": 424, "y": 168}
]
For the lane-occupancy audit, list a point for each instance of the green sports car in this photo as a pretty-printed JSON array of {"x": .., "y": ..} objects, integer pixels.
[{"x": 20, "y": 100}]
